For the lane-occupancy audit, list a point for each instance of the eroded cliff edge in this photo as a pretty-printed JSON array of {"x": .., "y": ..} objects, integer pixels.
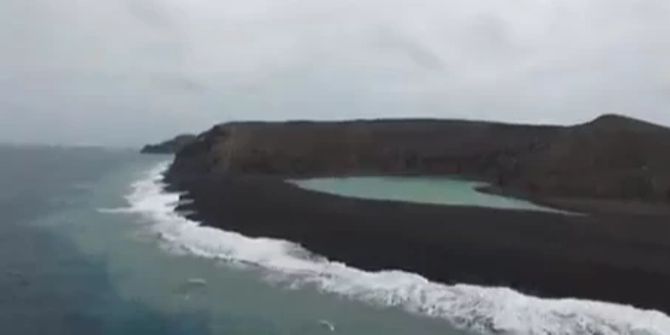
[{"x": 171, "y": 146}]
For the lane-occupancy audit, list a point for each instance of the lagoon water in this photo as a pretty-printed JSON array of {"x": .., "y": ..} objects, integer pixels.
[
  {"x": 90, "y": 244},
  {"x": 433, "y": 190}
]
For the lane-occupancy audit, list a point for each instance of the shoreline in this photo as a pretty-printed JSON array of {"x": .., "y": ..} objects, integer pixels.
[
  {"x": 612, "y": 258},
  {"x": 584, "y": 206}
]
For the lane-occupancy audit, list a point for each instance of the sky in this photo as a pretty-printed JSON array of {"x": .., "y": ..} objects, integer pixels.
[{"x": 127, "y": 72}]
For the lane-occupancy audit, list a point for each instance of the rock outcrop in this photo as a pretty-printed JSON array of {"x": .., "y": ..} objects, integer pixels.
[
  {"x": 612, "y": 157},
  {"x": 169, "y": 147}
]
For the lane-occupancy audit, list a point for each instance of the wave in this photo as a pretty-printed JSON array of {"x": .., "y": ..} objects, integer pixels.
[
  {"x": 488, "y": 310},
  {"x": 119, "y": 210}
]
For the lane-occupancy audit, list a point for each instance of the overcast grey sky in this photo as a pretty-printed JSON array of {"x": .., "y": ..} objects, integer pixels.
[{"x": 123, "y": 72}]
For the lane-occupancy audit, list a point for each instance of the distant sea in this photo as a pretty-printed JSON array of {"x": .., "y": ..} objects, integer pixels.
[{"x": 90, "y": 244}]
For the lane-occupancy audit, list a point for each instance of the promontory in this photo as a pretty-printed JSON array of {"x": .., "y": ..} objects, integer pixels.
[{"x": 611, "y": 176}]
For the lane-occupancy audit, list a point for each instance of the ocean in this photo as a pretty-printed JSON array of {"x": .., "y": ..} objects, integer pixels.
[{"x": 90, "y": 244}]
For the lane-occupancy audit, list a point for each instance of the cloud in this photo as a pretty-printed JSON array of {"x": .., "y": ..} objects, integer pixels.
[
  {"x": 159, "y": 67},
  {"x": 151, "y": 12}
]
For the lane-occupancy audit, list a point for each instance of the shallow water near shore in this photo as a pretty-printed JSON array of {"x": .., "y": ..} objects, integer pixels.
[
  {"x": 92, "y": 245},
  {"x": 427, "y": 190}
]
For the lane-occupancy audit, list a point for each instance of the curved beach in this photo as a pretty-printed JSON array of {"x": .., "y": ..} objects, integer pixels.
[{"x": 616, "y": 258}]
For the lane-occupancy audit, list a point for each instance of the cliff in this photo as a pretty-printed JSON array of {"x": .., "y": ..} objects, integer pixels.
[
  {"x": 169, "y": 147},
  {"x": 612, "y": 157}
]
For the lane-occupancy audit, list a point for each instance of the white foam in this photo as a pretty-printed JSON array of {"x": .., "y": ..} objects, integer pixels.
[
  {"x": 118, "y": 210},
  {"x": 486, "y": 310}
]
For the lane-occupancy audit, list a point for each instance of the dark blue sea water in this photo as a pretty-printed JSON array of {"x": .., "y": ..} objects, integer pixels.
[
  {"x": 49, "y": 285},
  {"x": 90, "y": 244},
  {"x": 68, "y": 266}
]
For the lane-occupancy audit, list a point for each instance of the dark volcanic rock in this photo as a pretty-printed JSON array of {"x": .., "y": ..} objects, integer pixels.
[
  {"x": 612, "y": 157},
  {"x": 379, "y": 147},
  {"x": 169, "y": 147}
]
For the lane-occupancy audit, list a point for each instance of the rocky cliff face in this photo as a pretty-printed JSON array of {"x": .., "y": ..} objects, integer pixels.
[
  {"x": 169, "y": 147},
  {"x": 610, "y": 157}
]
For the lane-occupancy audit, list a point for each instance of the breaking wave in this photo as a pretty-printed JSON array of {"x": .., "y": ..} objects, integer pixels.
[{"x": 481, "y": 309}]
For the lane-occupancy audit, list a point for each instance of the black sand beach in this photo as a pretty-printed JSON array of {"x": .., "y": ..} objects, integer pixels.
[{"x": 616, "y": 258}]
